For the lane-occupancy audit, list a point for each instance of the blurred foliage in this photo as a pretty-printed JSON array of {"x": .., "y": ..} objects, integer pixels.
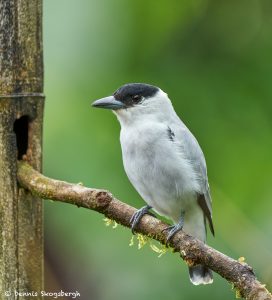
[{"x": 214, "y": 60}]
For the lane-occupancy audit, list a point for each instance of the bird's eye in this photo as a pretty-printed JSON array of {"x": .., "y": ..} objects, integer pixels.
[{"x": 136, "y": 97}]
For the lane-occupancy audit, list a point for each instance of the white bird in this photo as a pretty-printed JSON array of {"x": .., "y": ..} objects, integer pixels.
[{"x": 164, "y": 163}]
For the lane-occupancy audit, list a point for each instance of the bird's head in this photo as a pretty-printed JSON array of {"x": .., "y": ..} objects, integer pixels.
[{"x": 135, "y": 101}]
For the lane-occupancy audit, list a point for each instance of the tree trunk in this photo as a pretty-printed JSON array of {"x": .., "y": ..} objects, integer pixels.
[{"x": 21, "y": 114}]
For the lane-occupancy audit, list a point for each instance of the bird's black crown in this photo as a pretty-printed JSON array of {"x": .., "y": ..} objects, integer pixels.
[{"x": 132, "y": 93}]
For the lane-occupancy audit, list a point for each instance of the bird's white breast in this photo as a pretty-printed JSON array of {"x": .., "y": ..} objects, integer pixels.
[{"x": 157, "y": 168}]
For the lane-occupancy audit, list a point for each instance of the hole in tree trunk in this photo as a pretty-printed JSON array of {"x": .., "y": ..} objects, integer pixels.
[{"x": 21, "y": 130}]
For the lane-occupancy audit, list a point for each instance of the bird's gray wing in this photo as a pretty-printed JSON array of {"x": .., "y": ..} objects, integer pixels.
[{"x": 194, "y": 154}]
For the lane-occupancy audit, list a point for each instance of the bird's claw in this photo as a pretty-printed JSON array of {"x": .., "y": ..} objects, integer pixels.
[
  {"x": 173, "y": 229},
  {"x": 135, "y": 219}
]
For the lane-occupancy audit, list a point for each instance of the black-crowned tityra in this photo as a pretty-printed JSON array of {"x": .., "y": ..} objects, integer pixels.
[{"x": 164, "y": 162}]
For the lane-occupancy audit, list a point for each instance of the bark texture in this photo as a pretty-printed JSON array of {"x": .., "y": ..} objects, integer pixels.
[
  {"x": 21, "y": 113},
  {"x": 191, "y": 250}
]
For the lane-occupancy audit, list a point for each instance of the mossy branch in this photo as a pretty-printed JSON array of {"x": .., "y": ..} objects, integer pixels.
[{"x": 191, "y": 250}]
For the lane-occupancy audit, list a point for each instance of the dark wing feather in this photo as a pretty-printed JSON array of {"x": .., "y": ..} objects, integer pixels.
[{"x": 203, "y": 204}]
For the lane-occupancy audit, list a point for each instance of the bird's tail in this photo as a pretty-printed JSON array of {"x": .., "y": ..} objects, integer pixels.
[{"x": 200, "y": 275}]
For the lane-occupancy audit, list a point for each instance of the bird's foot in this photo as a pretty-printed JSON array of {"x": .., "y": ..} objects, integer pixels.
[
  {"x": 174, "y": 229},
  {"x": 135, "y": 219}
]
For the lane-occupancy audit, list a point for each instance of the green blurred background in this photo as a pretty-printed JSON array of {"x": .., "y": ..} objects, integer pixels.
[{"x": 214, "y": 59}]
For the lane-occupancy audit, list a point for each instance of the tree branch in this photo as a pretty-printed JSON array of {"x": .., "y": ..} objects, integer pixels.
[{"x": 191, "y": 250}]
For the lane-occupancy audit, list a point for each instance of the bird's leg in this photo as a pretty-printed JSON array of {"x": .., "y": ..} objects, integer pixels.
[
  {"x": 135, "y": 219},
  {"x": 174, "y": 228}
]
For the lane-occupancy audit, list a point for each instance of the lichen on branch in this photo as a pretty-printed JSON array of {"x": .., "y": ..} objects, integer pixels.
[{"x": 191, "y": 250}]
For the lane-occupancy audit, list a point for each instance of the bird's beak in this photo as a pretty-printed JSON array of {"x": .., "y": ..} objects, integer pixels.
[{"x": 108, "y": 103}]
